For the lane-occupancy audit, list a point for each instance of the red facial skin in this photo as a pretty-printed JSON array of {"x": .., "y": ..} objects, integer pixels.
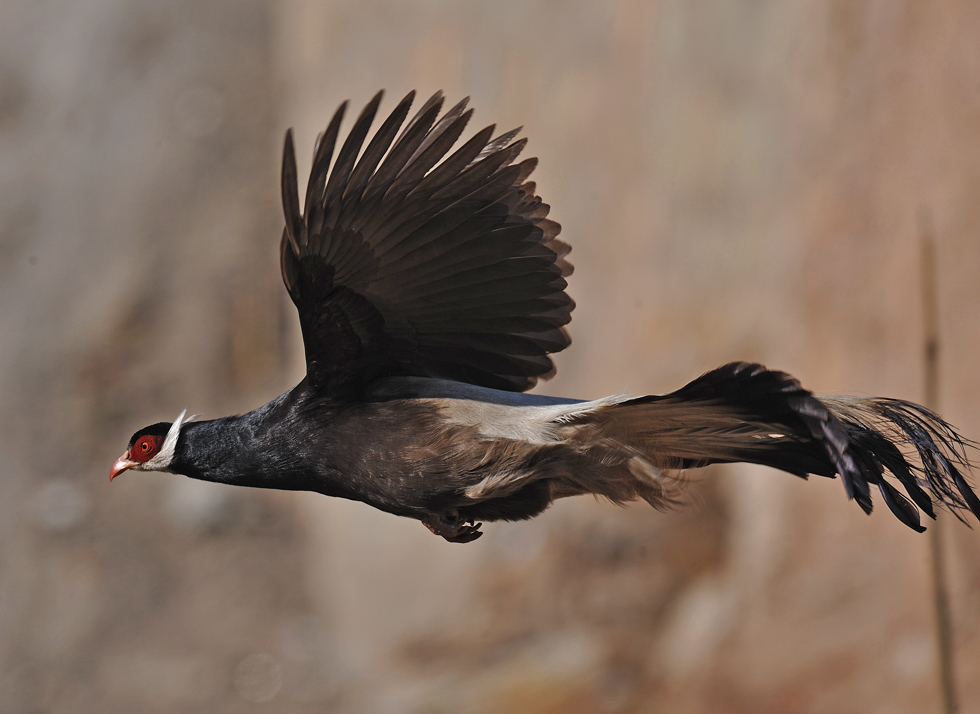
[{"x": 145, "y": 448}]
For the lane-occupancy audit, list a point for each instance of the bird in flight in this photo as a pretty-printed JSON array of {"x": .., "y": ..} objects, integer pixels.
[{"x": 430, "y": 288}]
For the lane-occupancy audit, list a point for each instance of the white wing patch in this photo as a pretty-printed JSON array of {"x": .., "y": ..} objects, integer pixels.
[{"x": 533, "y": 424}]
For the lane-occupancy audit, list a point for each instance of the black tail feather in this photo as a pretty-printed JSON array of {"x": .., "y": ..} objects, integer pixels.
[
  {"x": 969, "y": 496},
  {"x": 744, "y": 412},
  {"x": 881, "y": 428}
]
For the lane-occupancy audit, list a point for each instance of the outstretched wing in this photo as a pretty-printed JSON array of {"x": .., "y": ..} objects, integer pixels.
[{"x": 405, "y": 264}]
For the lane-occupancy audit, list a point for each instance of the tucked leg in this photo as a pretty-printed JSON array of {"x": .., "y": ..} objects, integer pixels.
[{"x": 452, "y": 528}]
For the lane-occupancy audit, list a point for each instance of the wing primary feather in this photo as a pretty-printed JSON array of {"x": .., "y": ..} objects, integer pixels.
[
  {"x": 346, "y": 159},
  {"x": 422, "y": 195},
  {"x": 478, "y": 171},
  {"x": 405, "y": 146},
  {"x": 456, "y": 177},
  {"x": 318, "y": 171},
  {"x": 399, "y": 227},
  {"x": 498, "y": 143},
  {"x": 433, "y": 102},
  {"x": 441, "y": 126},
  {"x": 375, "y": 151},
  {"x": 459, "y": 160},
  {"x": 290, "y": 192},
  {"x": 527, "y": 166},
  {"x": 422, "y": 161},
  {"x": 442, "y": 243},
  {"x": 443, "y": 253},
  {"x": 287, "y": 264}
]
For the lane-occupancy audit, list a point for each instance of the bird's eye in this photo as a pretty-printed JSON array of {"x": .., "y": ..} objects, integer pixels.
[{"x": 145, "y": 449}]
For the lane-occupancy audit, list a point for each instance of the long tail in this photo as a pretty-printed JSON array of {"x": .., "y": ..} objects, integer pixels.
[{"x": 744, "y": 412}]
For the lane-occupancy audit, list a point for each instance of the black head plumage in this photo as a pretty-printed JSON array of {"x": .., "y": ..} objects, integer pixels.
[{"x": 159, "y": 429}]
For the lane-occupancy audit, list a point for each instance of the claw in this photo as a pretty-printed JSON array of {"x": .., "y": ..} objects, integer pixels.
[
  {"x": 466, "y": 534},
  {"x": 452, "y": 529}
]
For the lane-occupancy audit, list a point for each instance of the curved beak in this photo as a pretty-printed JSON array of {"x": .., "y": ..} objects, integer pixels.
[{"x": 123, "y": 463}]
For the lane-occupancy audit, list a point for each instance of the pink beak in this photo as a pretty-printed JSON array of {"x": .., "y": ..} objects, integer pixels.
[{"x": 123, "y": 463}]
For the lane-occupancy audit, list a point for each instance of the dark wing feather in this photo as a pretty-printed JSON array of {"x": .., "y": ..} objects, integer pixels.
[{"x": 411, "y": 260}]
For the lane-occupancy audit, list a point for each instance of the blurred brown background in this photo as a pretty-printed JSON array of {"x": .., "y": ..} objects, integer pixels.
[{"x": 740, "y": 180}]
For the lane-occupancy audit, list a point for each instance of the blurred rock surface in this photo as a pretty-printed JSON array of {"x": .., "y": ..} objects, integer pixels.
[{"x": 740, "y": 180}]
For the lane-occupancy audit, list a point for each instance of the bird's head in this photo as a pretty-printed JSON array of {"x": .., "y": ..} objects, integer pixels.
[{"x": 151, "y": 448}]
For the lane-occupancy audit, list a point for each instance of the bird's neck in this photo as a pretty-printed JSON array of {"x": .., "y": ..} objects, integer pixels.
[{"x": 239, "y": 450}]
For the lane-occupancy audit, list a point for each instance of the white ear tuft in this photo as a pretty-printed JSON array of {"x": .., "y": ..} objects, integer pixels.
[{"x": 165, "y": 456}]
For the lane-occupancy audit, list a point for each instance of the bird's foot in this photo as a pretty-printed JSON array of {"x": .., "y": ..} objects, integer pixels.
[{"x": 453, "y": 528}]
